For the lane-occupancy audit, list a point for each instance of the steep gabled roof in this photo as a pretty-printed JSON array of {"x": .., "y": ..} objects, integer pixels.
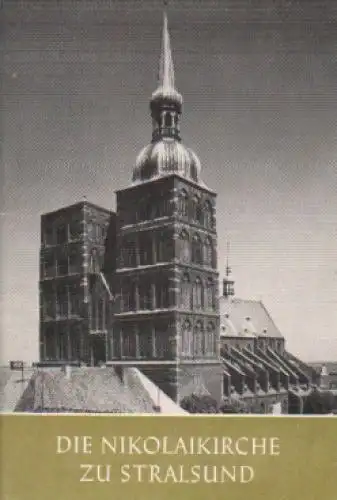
[{"x": 247, "y": 318}]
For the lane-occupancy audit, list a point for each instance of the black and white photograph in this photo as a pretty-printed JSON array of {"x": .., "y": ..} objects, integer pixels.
[{"x": 169, "y": 207}]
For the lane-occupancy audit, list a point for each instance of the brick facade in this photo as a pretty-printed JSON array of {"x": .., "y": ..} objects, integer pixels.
[{"x": 75, "y": 311}]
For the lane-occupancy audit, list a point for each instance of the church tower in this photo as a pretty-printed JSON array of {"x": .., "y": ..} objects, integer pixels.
[{"x": 167, "y": 318}]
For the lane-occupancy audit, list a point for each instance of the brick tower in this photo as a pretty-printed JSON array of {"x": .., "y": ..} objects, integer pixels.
[{"x": 167, "y": 317}]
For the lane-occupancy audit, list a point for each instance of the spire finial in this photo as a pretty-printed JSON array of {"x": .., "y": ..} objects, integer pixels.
[
  {"x": 166, "y": 81},
  {"x": 166, "y": 69}
]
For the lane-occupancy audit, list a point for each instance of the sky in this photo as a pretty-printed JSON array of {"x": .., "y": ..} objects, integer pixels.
[{"x": 260, "y": 110}]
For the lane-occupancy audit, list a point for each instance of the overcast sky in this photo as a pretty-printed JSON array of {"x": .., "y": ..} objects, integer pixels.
[{"x": 259, "y": 88}]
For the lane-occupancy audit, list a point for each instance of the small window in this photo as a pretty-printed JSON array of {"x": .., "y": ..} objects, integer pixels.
[
  {"x": 75, "y": 230},
  {"x": 61, "y": 234},
  {"x": 168, "y": 120},
  {"x": 48, "y": 236}
]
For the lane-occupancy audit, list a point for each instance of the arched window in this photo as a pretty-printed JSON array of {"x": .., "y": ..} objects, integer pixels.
[
  {"x": 197, "y": 294},
  {"x": 198, "y": 339},
  {"x": 210, "y": 347},
  {"x": 128, "y": 253},
  {"x": 196, "y": 250},
  {"x": 184, "y": 247},
  {"x": 168, "y": 119},
  {"x": 183, "y": 203},
  {"x": 145, "y": 249},
  {"x": 160, "y": 238},
  {"x": 145, "y": 296},
  {"x": 208, "y": 252},
  {"x": 196, "y": 210},
  {"x": 185, "y": 292},
  {"x": 208, "y": 215},
  {"x": 209, "y": 294},
  {"x": 187, "y": 339},
  {"x": 162, "y": 294},
  {"x": 94, "y": 262},
  {"x": 128, "y": 296},
  {"x": 128, "y": 338},
  {"x": 161, "y": 343}
]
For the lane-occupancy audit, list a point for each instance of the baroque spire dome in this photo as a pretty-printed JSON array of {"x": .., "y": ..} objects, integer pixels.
[{"x": 166, "y": 155}]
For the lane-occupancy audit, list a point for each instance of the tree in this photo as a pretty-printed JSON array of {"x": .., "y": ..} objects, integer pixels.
[
  {"x": 195, "y": 403},
  {"x": 319, "y": 402}
]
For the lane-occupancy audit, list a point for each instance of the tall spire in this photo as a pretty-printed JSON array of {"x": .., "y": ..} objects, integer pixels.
[
  {"x": 166, "y": 69},
  {"x": 166, "y": 84}
]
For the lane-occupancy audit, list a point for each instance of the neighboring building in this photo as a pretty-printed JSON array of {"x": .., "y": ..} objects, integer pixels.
[
  {"x": 327, "y": 374},
  {"x": 140, "y": 288},
  {"x": 258, "y": 369},
  {"x": 77, "y": 246}
]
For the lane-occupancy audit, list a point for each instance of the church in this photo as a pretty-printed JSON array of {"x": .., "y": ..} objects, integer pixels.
[{"x": 139, "y": 287}]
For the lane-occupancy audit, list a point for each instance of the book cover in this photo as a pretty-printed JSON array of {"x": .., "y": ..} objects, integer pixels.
[{"x": 168, "y": 249}]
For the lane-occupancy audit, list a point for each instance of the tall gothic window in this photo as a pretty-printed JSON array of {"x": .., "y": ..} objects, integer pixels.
[
  {"x": 75, "y": 230},
  {"x": 162, "y": 294},
  {"x": 184, "y": 247},
  {"x": 128, "y": 295},
  {"x": 194, "y": 208},
  {"x": 62, "y": 265},
  {"x": 145, "y": 296},
  {"x": 183, "y": 203},
  {"x": 128, "y": 253},
  {"x": 145, "y": 249},
  {"x": 48, "y": 308},
  {"x": 208, "y": 215},
  {"x": 196, "y": 249},
  {"x": 198, "y": 339},
  {"x": 128, "y": 341},
  {"x": 161, "y": 344},
  {"x": 75, "y": 336},
  {"x": 209, "y": 294},
  {"x": 186, "y": 339},
  {"x": 62, "y": 344},
  {"x": 74, "y": 293},
  {"x": 50, "y": 342},
  {"x": 74, "y": 261},
  {"x": 197, "y": 294},
  {"x": 48, "y": 266},
  {"x": 94, "y": 261},
  {"x": 61, "y": 302},
  {"x": 61, "y": 234},
  {"x": 145, "y": 341},
  {"x": 209, "y": 346},
  {"x": 49, "y": 235},
  {"x": 208, "y": 252},
  {"x": 160, "y": 246},
  {"x": 185, "y": 292}
]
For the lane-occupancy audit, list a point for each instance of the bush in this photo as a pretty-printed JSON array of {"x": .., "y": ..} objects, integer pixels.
[
  {"x": 319, "y": 402},
  {"x": 228, "y": 408},
  {"x": 199, "y": 404}
]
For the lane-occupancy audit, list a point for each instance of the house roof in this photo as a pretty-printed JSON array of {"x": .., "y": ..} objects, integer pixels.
[
  {"x": 246, "y": 318},
  {"x": 88, "y": 390}
]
